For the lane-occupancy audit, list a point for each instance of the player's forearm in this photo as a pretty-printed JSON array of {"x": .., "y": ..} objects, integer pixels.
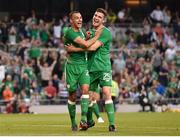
[
  {"x": 91, "y": 48},
  {"x": 87, "y": 43},
  {"x": 92, "y": 41},
  {"x": 75, "y": 49},
  {"x": 95, "y": 46}
]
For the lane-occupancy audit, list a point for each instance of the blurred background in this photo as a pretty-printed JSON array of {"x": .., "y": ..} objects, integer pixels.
[
  {"x": 145, "y": 53},
  {"x": 48, "y": 9}
]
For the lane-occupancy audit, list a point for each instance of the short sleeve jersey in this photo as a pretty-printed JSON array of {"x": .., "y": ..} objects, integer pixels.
[
  {"x": 75, "y": 57},
  {"x": 99, "y": 60}
]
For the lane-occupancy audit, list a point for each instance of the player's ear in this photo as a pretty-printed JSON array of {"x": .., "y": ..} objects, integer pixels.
[
  {"x": 105, "y": 19},
  {"x": 70, "y": 20}
]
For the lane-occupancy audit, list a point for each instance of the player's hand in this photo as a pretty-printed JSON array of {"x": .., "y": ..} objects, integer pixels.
[
  {"x": 88, "y": 35},
  {"x": 69, "y": 47}
]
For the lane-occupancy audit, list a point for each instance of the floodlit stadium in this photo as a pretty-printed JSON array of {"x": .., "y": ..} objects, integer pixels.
[{"x": 89, "y": 68}]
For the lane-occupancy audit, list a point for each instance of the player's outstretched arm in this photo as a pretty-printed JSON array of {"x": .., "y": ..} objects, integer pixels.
[
  {"x": 71, "y": 48},
  {"x": 87, "y": 43},
  {"x": 95, "y": 46}
]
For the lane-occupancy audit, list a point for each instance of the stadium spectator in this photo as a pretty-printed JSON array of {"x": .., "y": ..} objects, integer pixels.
[
  {"x": 7, "y": 94},
  {"x": 44, "y": 32},
  {"x": 63, "y": 92},
  {"x": 170, "y": 53},
  {"x": 157, "y": 61},
  {"x": 137, "y": 67},
  {"x": 144, "y": 101},
  {"x": 122, "y": 15},
  {"x": 159, "y": 30},
  {"x": 23, "y": 107},
  {"x": 172, "y": 86},
  {"x": 167, "y": 16},
  {"x": 131, "y": 44},
  {"x": 50, "y": 92},
  {"x": 177, "y": 59},
  {"x": 57, "y": 31},
  {"x": 157, "y": 15},
  {"x": 12, "y": 36},
  {"x": 28, "y": 69},
  {"x": 2, "y": 71},
  {"x": 26, "y": 85},
  {"x": 111, "y": 17},
  {"x": 4, "y": 35},
  {"x": 56, "y": 82},
  {"x": 146, "y": 27},
  {"x": 34, "y": 51},
  {"x": 176, "y": 27},
  {"x": 119, "y": 63},
  {"x": 160, "y": 89},
  {"x": 163, "y": 74},
  {"x": 9, "y": 108},
  {"x": 46, "y": 72},
  {"x": 9, "y": 83},
  {"x": 142, "y": 38}
]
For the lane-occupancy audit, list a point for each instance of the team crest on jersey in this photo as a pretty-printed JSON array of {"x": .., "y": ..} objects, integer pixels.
[{"x": 106, "y": 76}]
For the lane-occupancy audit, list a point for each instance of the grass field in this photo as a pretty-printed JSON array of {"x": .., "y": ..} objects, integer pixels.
[{"x": 131, "y": 124}]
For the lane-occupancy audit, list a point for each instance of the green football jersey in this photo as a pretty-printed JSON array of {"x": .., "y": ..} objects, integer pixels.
[
  {"x": 75, "y": 57},
  {"x": 34, "y": 52},
  {"x": 29, "y": 71},
  {"x": 99, "y": 60},
  {"x": 172, "y": 85},
  {"x": 177, "y": 60},
  {"x": 10, "y": 85}
]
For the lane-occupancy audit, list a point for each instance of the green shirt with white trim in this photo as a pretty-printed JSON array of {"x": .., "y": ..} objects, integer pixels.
[{"x": 99, "y": 60}]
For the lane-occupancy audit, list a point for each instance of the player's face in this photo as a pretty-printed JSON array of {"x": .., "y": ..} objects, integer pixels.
[
  {"x": 77, "y": 20},
  {"x": 98, "y": 19}
]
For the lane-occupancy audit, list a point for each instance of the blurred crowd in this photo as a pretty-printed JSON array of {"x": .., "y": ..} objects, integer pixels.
[{"x": 145, "y": 59}]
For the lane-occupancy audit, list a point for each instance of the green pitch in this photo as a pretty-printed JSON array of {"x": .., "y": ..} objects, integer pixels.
[{"x": 144, "y": 124}]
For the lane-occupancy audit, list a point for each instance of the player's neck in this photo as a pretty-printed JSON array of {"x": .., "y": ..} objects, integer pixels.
[
  {"x": 98, "y": 27},
  {"x": 75, "y": 29}
]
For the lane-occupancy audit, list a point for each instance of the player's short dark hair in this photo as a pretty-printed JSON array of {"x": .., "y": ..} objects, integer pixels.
[
  {"x": 72, "y": 12},
  {"x": 102, "y": 11}
]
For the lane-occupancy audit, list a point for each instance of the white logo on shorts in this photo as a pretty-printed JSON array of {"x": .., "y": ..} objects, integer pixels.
[
  {"x": 106, "y": 77},
  {"x": 87, "y": 73},
  {"x": 68, "y": 86}
]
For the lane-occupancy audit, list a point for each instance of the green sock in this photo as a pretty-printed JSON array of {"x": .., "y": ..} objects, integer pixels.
[
  {"x": 109, "y": 107},
  {"x": 96, "y": 109},
  {"x": 89, "y": 114},
  {"x": 84, "y": 107},
  {"x": 72, "y": 112}
]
